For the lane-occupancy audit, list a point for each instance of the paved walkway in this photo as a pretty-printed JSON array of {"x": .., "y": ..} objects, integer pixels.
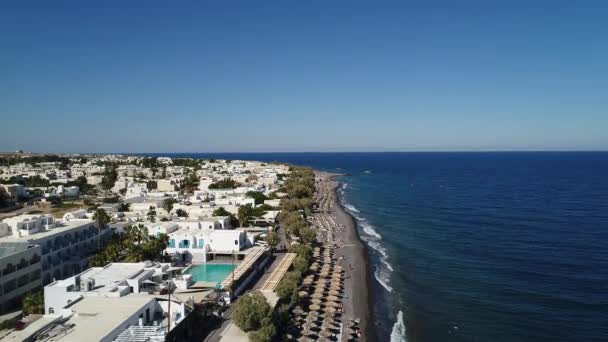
[
  {"x": 277, "y": 274},
  {"x": 227, "y": 327}
]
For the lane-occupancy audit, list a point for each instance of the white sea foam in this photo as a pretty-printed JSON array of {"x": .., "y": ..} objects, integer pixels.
[
  {"x": 388, "y": 265},
  {"x": 398, "y": 333},
  {"x": 372, "y": 238},
  {"x": 351, "y": 207},
  {"x": 368, "y": 229},
  {"x": 375, "y": 245},
  {"x": 383, "y": 279}
]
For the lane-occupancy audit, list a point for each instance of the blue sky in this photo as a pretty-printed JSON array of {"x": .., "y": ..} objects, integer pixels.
[{"x": 228, "y": 76}]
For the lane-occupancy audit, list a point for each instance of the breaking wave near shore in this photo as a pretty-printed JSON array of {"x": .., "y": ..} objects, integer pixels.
[{"x": 382, "y": 271}]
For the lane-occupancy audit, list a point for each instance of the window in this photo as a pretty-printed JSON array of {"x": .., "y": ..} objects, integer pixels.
[
  {"x": 201, "y": 243},
  {"x": 236, "y": 242},
  {"x": 172, "y": 243},
  {"x": 51, "y": 311},
  {"x": 9, "y": 269}
]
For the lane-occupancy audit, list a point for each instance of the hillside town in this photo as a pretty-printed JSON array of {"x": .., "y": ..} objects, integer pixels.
[{"x": 145, "y": 248}]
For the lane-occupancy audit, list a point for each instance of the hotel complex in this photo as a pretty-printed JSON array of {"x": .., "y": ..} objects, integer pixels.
[{"x": 126, "y": 301}]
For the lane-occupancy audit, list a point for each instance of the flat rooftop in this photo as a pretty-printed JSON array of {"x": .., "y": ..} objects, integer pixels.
[
  {"x": 65, "y": 226},
  {"x": 93, "y": 319},
  {"x": 109, "y": 276},
  {"x": 10, "y": 248}
]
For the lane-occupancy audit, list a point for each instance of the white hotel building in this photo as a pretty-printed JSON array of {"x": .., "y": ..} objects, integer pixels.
[
  {"x": 64, "y": 246},
  {"x": 200, "y": 241}
]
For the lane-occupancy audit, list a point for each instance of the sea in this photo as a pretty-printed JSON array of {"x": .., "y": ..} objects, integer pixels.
[{"x": 501, "y": 246}]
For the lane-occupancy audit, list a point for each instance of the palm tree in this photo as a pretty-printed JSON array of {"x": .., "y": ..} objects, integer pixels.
[{"x": 102, "y": 218}]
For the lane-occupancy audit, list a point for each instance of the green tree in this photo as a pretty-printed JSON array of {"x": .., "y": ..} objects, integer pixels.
[
  {"x": 190, "y": 183},
  {"x": 181, "y": 213},
  {"x": 244, "y": 213},
  {"x": 265, "y": 334},
  {"x": 33, "y": 303},
  {"x": 272, "y": 238},
  {"x": 288, "y": 285},
  {"x": 168, "y": 205},
  {"x": 251, "y": 311},
  {"x": 151, "y": 185},
  {"x": 307, "y": 234},
  {"x": 109, "y": 178},
  {"x": 226, "y": 183},
  {"x": 221, "y": 212},
  {"x": 102, "y": 218},
  {"x": 257, "y": 196}
]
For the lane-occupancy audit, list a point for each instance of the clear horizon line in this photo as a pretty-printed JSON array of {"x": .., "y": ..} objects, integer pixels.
[{"x": 329, "y": 152}]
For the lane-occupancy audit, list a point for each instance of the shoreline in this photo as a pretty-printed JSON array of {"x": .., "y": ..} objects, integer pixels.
[{"x": 355, "y": 252}]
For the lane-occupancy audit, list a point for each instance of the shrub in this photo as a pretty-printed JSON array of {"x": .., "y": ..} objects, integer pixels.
[{"x": 251, "y": 311}]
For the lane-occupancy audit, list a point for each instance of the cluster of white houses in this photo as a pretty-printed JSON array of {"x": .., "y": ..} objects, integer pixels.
[{"x": 121, "y": 301}]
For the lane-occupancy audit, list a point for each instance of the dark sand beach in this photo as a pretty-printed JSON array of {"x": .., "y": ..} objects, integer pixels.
[{"x": 357, "y": 304}]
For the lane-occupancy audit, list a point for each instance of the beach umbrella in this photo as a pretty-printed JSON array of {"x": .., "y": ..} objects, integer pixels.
[
  {"x": 313, "y": 316},
  {"x": 323, "y": 339},
  {"x": 316, "y": 301},
  {"x": 349, "y": 331},
  {"x": 314, "y": 307},
  {"x": 309, "y": 325},
  {"x": 317, "y": 295},
  {"x": 303, "y": 293},
  {"x": 335, "y": 287},
  {"x": 328, "y": 323},
  {"x": 333, "y": 293},
  {"x": 332, "y": 298},
  {"x": 305, "y": 339},
  {"x": 330, "y": 309},
  {"x": 308, "y": 332},
  {"x": 325, "y": 333},
  {"x": 332, "y": 304},
  {"x": 298, "y": 310}
]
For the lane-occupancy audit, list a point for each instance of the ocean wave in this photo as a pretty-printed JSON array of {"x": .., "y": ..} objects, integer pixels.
[
  {"x": 369, "y": 230},
  {"x": 351, "y": 207},
  {"x": 383, "y": 279},
  {"x": 375, "y": 245},
  {"x": 388, "y": 265},
  {"x": 373, "y": 239},
  {"x": 359, "y": 218},
  {"x": 398, "y": 333}
]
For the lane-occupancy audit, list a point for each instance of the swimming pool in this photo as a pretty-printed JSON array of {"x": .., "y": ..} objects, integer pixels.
[{"x": 210, "y": 272}]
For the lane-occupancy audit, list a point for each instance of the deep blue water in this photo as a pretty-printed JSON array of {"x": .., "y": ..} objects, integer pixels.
[{"x": 480, "y": 246}]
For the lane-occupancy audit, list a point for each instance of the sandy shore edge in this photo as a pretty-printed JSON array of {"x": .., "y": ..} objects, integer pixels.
[{"x": 356, "y": 254}]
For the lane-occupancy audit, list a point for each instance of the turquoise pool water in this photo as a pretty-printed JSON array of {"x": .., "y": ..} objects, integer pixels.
[{"x": 210, "y": 272}]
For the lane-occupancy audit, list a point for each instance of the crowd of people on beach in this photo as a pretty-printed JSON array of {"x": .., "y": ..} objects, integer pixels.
[{"x": 321, "y": 314}]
